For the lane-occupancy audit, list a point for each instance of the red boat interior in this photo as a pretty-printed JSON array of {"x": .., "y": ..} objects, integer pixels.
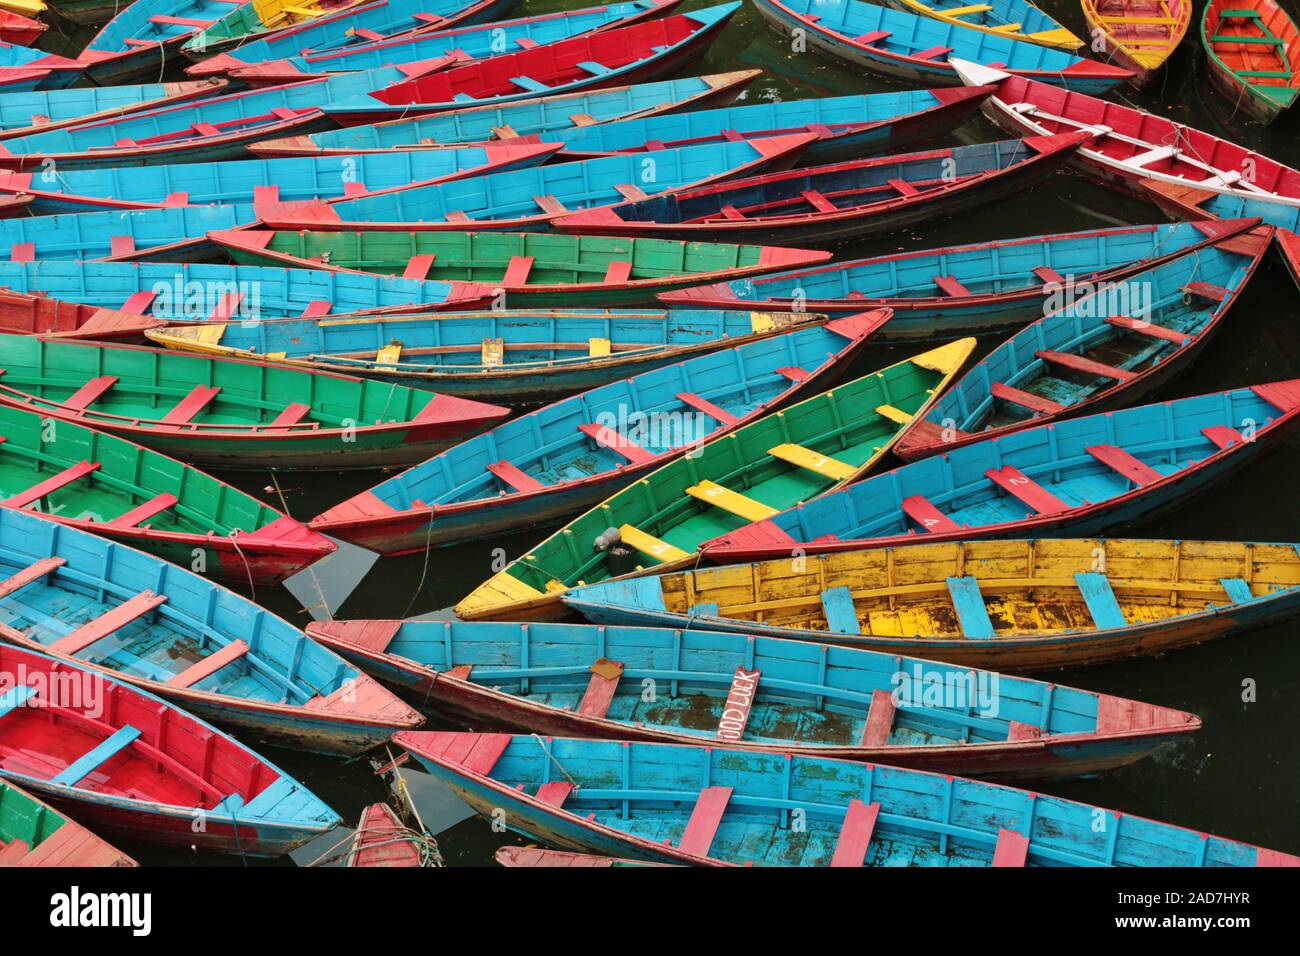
[
  {"x": 1259, "y": 43},
  {"x": 1142, "y": 25}
]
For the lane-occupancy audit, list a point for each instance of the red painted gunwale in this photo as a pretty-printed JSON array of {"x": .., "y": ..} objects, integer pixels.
[
  {"x": 72, "y": 845},
  {"x": 20, "y": 30},
  {"x": 368, "y": 514}
]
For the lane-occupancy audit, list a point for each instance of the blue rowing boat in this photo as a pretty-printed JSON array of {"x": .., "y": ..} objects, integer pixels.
[
  {"x": 293, "y": 179},
  {"x": 22, "y": 114},
  {"x": 1099, "y": 347},
  {"x": 642, "y": 51},
  {"x": 582, "y": 680},
  {"x": 916, "y": 48},
  {"x": 1087, "y": 474},
  {"x": 136, "y": 766},
  {"x": 566, "y": 457},
  {"x": 100, "y": 605},
  {"x": 460, "y": 45},
  {"x": 847, "y": 127},
  {"x": 959, "y": 290},
  {"x": 717, "y": 806},
  {"x": 23, "y": 69},
  {"x": 179, "y": 232},
  {"x": 146, "y": 35},
  {"x": 540, "y": 118},
  {"x": 123, "y": 299},
  {"x": 529, "y": 199}
]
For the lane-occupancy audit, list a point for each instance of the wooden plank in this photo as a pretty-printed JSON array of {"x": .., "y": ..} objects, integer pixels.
[
  {"x": 707, "y": 407},
  {"x": 608, "y": 438},
  {"x": 555, "y": 792},
  {"x": 199, "y": 398},
  {"x": 925, "y": 514},
  {"x": 1237, "y": 589},
  {"x": 740, "y": 701},
  {"x": 1150, "y": 330},
  {"x": 550, "y": 205},
  {"x": 1223, "y": 436},
  {"x": 293, "y": 413},
  {"x": 89, "y": 393},
  {"x": 933, "y": 53},
  {"x": 88, "y": 763},
  {"x": 806, "y": 458},
  {"x": 617, "y": 272},
  {"x": 1134, "y": 469},
  {"x": 794, "y": 373},
  {"x": 1100, "y": 598},
  {"x": 841, "y": 613},
  {"x": 1035, "y": 403},
  {"x": 1078, "y": 363},
  {"x": 819, "y": 202},
  {"x": 902, "y": 187},
  {"x": 1012, "y": 848},
  {"x": 209, "y": 665},
  {"x": 650, "y": 546},
  {"x": 517, "y": 271},
  {"x": 417, "y": 267},
  {"x": 880, "y": 719},
  {"x": 484, "y": 753},
  {"x": 16, "y": 697},
  {"x": 949, "y": 286},
  {"x": 1049, "y": 275},
  {"x": 108, "y": 622},
  {"x": 30, "y": 574},
  {"x": 52, "y": 484},
  {"x": 598, "y": 347},
  {"x": 143, "y": 512},
  {"x": 1207, "y": 290},
  {"x": 895, "y": 415},
  {"x": 1028, "y": 491},
  {"x": 972, "y": 614},
  {"x": 605, "y": 675},
  {"x": 513, "y": 477},
  {"x": 730, "y": 501},
  {"x": 705, "y": 819},
  {"x": 855, "y": 834}
]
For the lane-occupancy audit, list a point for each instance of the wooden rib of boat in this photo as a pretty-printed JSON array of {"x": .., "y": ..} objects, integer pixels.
[
  {"x": 531, "y": 199},
  {"x": 533, "y": 269},
  {"x": 363, "y": 25},
  {"x": 1140, "y": 35},
  {"x": 824, "y": 205},
  {"x": 1010, "y": 605},
  {"x": 1016, "y": 19},
  {"x": 1101, "y": 348},
  {"x": 847, "y": 127},
  {"x": 234, "y": 414},
  {"x": 565, "y": 457},
  {"x": 216, "y": 127},
  {"x": 252, "y": 21},
  {"x": 1253, "y": 51},
  {"x": 121, "y": 301},
  {"x": 533, "y": 856},
  {"x": 717, "y": 806},
  {"x": 23, "y": 69},
  {"x": 799, "y": 696},
  {"x": 974, "y": 289},
  {"x": 1130, "y": 146},
  {"x": 383, "y": 840},
  {"x": 24, "y": 114},
  {"x": 905, "y": 46},
  {"x": 131, "y": 764},
  {"x": 537, "y": 118},
  {"x": 642, "y": 51},
  {"x": 145, "y": 36},
  {"x": 516, "y": 357},
  {"x": 822, "y": 443},
  {"x": 464, "y": 44},
  {"x": 293, "y": 179},
  {"x": 1087, "y": 474},
  {"x": 33, "y": 833},
  {"x": 176, "y": 233},
  {"x": 16, "y": 28},
  {"x": 102, "y": 606},
  {"x": 123, "y": 491}
]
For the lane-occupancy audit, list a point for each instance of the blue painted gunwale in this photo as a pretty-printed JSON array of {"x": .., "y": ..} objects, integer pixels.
[
  {"x": 109, "y": 59},
  {"x": 1166, "y": 437},
  {"x": 293, "y": 179},
  {"x": 1005, "y": 290},
  {"x": 833, "y": 26},
  {"x": 452, "y": 497},
  {"x": 642, "y": 795},
  {"x": 1080, "y": 328},
  {"x": 264, "y": 694},
  {"x": 537, "y": 118},
  {"x": 810, "y": 698},
  {"x": 281, "y": 816},
  {"x": 475, "y": 42},
  {"x": 509, "y": 201},
  {"x": 280, "y": 293},
  {"x": 19, "y": 111}
]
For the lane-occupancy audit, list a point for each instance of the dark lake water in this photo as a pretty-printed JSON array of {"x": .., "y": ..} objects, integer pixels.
[{"x": 1238, "y": 777}]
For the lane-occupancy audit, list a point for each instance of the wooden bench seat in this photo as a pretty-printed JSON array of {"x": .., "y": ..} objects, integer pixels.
[
  {"x": 972, "y": 614},
  {"x": 1100, "y": 598},
  {"x": 694, "y": 401},
  {"x": 290, "y": 416},
  {"x": 1134, "y": 469},
  {"x": 1078, "y": 363},
  {"x": 705, "y": 819},
  {"x": 608, "y": 438},
  {"x": 89, "y": 393},
  {"x": 143, "y": 512},
  {"x": 1012, "y": 848},
  {"x": 200, "y": 670},
  {"x": 855, "y": 834},
  {"x": 517, "y": 271},
  {"x": 30, "y": 574},
  {"x": 14, "y": 698},
  {"x": 1223, "y": 436},
  {"x": 617, "y": 272},
  {"x": 819, "y": 202},
  {"x": 1207, "y": 290},
  {"x": 555, "y": 792},
  {"x": 111, "y": 620},
  {"x": 605, "y": 675},
  {"x": 52, "y": 484},
  {"x": 1130, "y": 324},
  {"x": 730, "y": 501},
  {"x": 87, "y": 764},
  {"x": 1026, "y": 490},
  {"x": 880, "y": 719},
  {"x": 1237, "y": 589},
  {"x": 925, "y": 514},
  {"x": 513, "y": 477},
  {"x": 1035, "y": 403},
  {"x": 650, "y": 546},
  {"x": 950, "y": 286},
  {"x": 902, "y": 187},
  {"x": 199, "y": 398},
  {"x": 841, "y": 613},
  {"x": 417, "y": 267},
  {"x": 819, "y": 464}
]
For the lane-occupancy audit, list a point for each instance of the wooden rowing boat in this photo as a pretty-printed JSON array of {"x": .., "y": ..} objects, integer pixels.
[
  {"x": 799, "y": 697},
  {"x": 16, "y": 28},
  {"x": 1010, "y": 605},
  {"x": 383, "y": 840},
  {"x": 642, "y": 51},
  {"x": 364, "y": 25},
  {"x": 144, "y": 37},
  {"x": 23, "y": 69},
  {"x": 133, "y": 765},
  {"x": 776, "y": 462},
  {"x": 1130, "y": 146},
  {"x": 825, "y": 205},
  {"x": 515, "y": 356},
  {"x": 295, "y": 179},
  {"x": 565, "y": 457},
  {"x": 533, "y": 269},
  {"x": 121, "y": 301},
  {"x": 252, "y": 21},
  {"x": 123, "y": 491},
  {"x": 1253, "y": 51},
  {"x": 228, "y": 413},
  {"x": 1140, "y": 35},
  {"x": 216, "y": 127},
  {"x": 1101, "y": 348},
  {"x": 980, "y": 288},
  {"x": 24, "y": 114},
  {"x": 847, "y": 127},
  {"x": 128, "y": 616},
  {"x": 918, "y": 49},
  {"x": 538, "y": 118},
  {"x": 533, "y": 856},
  {"x": 1087, "y": 474},
  {"x": 462, "y": 45},
  {"x": 172, "y": 234},
  {"x": 530, "y": 199},
  {"x": 1016, "y": 19},
  {"x": 717, "y": 806},
  {"x": 33, "y": 833}
]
